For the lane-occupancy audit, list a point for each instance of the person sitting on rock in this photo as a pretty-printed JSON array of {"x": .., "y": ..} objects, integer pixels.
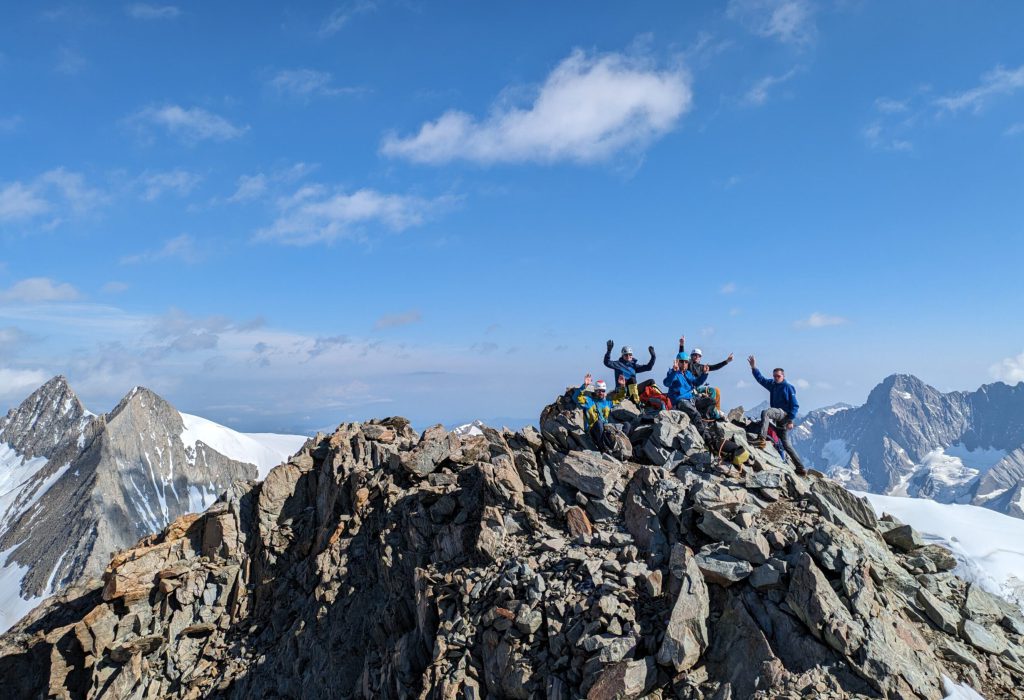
[
  {"x": 700, "y": 371},
  {"x": 782, "y": 411},
  {"x": 679, "y": 382},
  {"x": 626, "y": 366},
  {"x": 598, "y": 408}
]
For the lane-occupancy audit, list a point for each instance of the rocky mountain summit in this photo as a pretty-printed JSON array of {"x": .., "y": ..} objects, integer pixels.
[
  {"x": 76, "y": 487},
  {"x": 379, "y": 562},
  {"x": 911, "y": 439}
]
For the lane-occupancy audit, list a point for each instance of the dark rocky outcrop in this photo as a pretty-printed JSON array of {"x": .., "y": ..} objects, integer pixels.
[{"x": 492, "y": 573}]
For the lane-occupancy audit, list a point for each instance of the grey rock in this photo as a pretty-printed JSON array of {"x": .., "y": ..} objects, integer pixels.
[
  {"x": 765, "y": 576},
  {"x": 750, "y": 545},
  {"x": 904, "y": 538},
  {"x": 625, "y": 679},
  {"x": 722, "y": 569},
  {"x": 718, "y": 527},
  {"x": 592, "y": 473},
  {"x": 945, "y": 617},
  {"x": 686, "y": 634},
  {"x": 982, "y": 638}
]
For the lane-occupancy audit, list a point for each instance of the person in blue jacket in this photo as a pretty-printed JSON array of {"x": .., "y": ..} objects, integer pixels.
[
  {"x": 597, "y": 409},
  {"x": 782, "y": 411},
  {"x": 626, "y": 366},
  {"x": 680, "y": 383}
]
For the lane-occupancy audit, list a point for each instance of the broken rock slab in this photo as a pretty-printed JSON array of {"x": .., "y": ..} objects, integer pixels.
[
  {"x": 686, "y": 634},
  {"x": 591, "y": 473}
]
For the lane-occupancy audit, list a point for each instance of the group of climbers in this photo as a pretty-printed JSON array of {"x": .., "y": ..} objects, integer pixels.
[{"x": 688, "y": 391}]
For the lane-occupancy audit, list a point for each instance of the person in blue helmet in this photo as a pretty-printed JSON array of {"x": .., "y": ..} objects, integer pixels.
[
  {"x": 680, "y": 384},
  {"x": 597, "y": 408},
  {"x": 626, "y": 366},
  {"x": 781, "y": 413}
]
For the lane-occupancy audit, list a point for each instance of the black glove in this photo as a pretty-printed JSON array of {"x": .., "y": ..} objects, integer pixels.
[
  {"x": 650, "y": 349},
  {"x": 611, "y": 344}
]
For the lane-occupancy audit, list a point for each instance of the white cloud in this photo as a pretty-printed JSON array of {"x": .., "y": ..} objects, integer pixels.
[
  {"x": 819, "y": 320},
  {"x": 38, "y": 289},
  {"x": 191, "y": 125},
  {"x": 317, "y": 214},
  {"x": 787, "y": 21},
  {"x": 758, "y": 94},
  {"x": 142, "y": 10},
  {"x": 305, "y": 82},
  {"x": 588, "y": 109},
  {"x": 802, "y": 383},
  {"x": 114, "y": 287},
  {"x": 743, "y": 384},
  {"x": 8, "y": 125},
  {"x": 59, "y": 191},
  {"x": 728, "y": 288},
  {"x": 249, "y": 187},
  {"x": 15, "y": 384},
  {"x": 879, "y": 138},
  {"x": 396, "y": 320},
  {"x": 1009, "y": 370},
  {"x": 998, "y": 81},
  {"x": 181, "y": 248},
  {"x": 1015, "y": 129},
  {"x": 69, "y": 61},
  {"x": 340, "y": 16},
  {"x": 11, "y": 337},
  {"x": 19, "y": 202},
  {"x": 886, "y": 105},
  {"x": 180, "y": 182}
]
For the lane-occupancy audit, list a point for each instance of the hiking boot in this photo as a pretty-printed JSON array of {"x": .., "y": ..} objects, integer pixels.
[
  {"x": 760, "y": 443},
  {"x": 800, "y": 471},
  {"x": 756, "y": 466}
]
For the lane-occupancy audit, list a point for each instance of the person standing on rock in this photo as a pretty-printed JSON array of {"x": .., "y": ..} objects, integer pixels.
[
  {"x": 782, "y": 411},
  {"x": 626, "y": 366},
  {"x": 700, "y": 371},
  {"x": 597, "y": 409}
]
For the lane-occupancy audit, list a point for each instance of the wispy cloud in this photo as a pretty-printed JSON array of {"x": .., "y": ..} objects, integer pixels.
[
  {"x": 996, "y": 82},
  {"x": 142, "y": 10},
  {"x": 820, "y": 320},
  {"x": 69, "y": 61},
  {"x": 1015, "y": 129},
  {"x": 886, "y": 105},
  {"x": 877, "y": 136},
  {"x": 1009, "y": 370},
  {"x": 114, "y": 287},
  {"x": 39, "y": 289},
  {"x": 788, "y": 21},
  {"x": 155, "y": 185},
  {"x": 758, "y": 94},
  {"x": 728, "y": 288},
  {"x": 191, "y": 125},
  {"x": 181, "y": 248},
  {"x": 56, "y": 193},
  {"x": 306, "y": 83},
  {"x": 254, "y": 186},
  {"x": 589, "y": 108},
  {"x": 342, "y": 15},
  {"x": 396, "y": 320},
  {"x": 8, "y": 125},
  {"x": 318, "y": 214}
]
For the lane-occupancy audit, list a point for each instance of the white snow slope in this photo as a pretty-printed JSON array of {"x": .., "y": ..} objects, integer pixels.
[
  {"x": 989, "y": 546},
  {"x": 265, "y": 450}
]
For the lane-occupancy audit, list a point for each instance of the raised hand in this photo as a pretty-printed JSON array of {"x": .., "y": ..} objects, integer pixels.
[
  {"x": 650, "y": 349},
  {"x": 610, "y": 345},
  {"x": 622, "y": 380},
  {"x": 682, "y": 340},
  {"x": 729, "y": 359},
  {"x": 588, "y": 379},
  {"x": 752, "y": 361}
]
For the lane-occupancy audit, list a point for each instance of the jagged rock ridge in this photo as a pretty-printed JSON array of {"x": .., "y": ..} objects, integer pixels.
[
  {"x": 78, "y": 487},
  {"x": 382, "y": 563},
  {"x": 895, "y": 442}
]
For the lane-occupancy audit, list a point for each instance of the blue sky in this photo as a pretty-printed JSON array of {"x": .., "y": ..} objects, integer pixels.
[{"x": 283, "y": 217}]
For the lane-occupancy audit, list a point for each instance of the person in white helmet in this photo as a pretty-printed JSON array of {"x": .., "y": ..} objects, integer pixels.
[
  {"x": 697, "y": 368},
  {"x": 626, "y": 366},
  {"x": 597, "y": 409}
]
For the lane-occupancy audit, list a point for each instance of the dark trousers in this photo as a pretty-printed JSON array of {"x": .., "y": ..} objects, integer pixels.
[
  {"x": 602, "y": 440},
  {"x": 778, "y": 420}
]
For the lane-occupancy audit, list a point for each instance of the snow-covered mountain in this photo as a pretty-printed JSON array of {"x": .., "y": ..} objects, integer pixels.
[
  {"x": 470, "y": 429},
  {"x": 909, "y": 439},
  {"x": 75, "y": 486}
]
